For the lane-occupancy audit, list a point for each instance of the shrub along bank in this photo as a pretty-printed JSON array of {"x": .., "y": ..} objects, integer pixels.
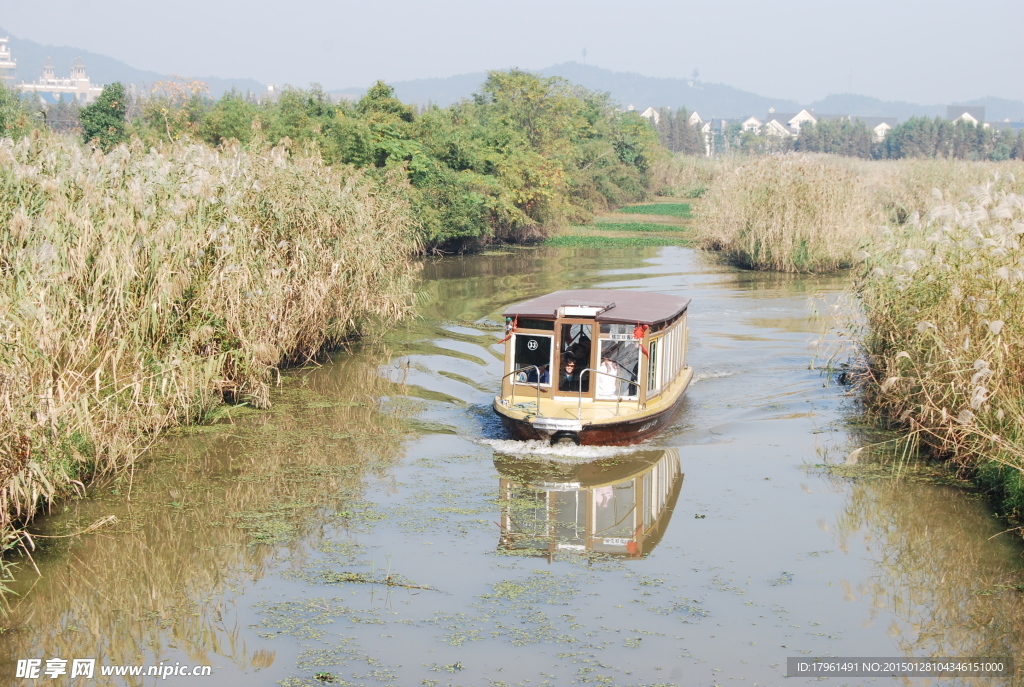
[{"x": 143, "y": 286}]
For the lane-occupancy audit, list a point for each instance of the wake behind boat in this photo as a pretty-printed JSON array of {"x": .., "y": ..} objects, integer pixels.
[{"x": 594, "y": 366}]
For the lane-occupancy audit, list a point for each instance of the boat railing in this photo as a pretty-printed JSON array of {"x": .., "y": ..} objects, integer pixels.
[
  {"x": 618, "y": 398},
  {"x": 515, "y": 374}
]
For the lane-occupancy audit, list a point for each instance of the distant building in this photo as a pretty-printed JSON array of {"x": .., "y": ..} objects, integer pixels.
[
  {"x": 651, "y": 115},
  {"x": 1006, "y": 125},
  {"x": 972, "y": 115},
  {"x": 880, "y": 126},
  {"x": 786, "y": 124},
  {"x": 8, "y": 65},
  {"x": 78, "y": 86}
]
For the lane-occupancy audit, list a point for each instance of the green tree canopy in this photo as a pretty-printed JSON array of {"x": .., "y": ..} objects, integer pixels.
[{"x": 103, "y": 121}]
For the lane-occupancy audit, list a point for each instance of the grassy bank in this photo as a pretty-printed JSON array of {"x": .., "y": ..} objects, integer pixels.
[{"x": 143, "y": 287}]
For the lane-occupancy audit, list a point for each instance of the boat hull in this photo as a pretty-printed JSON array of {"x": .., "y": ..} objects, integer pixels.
[{"x": 625, "y": 432}]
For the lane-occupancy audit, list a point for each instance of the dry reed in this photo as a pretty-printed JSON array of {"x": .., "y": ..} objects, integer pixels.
[
  {"x": 689, "y": 176},
  {"x": 792, "y": 213},
  {"x": 143, "y": 287},
  {"x": 942, "y": 298}
]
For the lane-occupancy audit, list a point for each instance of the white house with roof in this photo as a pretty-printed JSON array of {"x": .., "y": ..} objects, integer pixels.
[
  {"x": 651, "y": 115},
  {"x": 972, "y": 115},
  {"x": 752, "y": 124},
  {"x": 787, "y": 124},
  {"x": 879, "y": 126}
]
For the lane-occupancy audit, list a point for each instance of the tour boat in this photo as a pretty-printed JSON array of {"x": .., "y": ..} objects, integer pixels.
[
  {"x": 618, "y": 506},
  {"x": 593, "y": 366}
]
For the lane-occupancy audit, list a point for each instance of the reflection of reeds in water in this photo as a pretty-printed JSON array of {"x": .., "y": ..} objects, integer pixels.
[
  {"x": 191, "y": 534},
  {"x": 951, "y": 584},
  {"x": 141, "y": 287}
]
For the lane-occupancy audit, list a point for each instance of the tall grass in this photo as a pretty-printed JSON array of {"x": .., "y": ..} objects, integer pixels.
[
  {"x": 943, "y": 299},
  {"x": 792, "y": 213},
  {"x": 815, "y": 213},
  {"x": 900, "y": 188},
  {"x": 140, "y": 288},
  {"x": 689, "y": 176}
]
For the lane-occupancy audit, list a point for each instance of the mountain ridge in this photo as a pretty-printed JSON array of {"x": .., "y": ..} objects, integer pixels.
[
  {"x": 710, "y": 100},
  {"x": 102, "y": 69}
]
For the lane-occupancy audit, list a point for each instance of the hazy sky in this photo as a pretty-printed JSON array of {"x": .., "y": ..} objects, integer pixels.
[{"x": 923, "y": 51}]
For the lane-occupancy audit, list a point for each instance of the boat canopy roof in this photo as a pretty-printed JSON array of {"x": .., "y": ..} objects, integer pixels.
[{"x": 604, "y": 305}]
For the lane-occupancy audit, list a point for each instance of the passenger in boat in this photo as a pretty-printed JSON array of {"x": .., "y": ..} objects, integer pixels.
[
  {"x": 545, "y": 375},
  {"x": 568, "y": 380},
  {"x": 607, "y": 382}
]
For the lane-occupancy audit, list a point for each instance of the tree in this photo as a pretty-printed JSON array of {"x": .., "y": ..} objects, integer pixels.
[
  {"x": 1018, "y": 147},
  {"x": 15, "y": 120},
  {"x": 836, "y": 136},
  {"x": 63, "y": 115},
  {"x": 103, "y": 121},
  {"x": 380, "y": 99},
  {"x": 230, "y": 118}
]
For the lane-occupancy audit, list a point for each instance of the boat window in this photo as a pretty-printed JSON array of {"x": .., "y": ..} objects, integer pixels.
[
  {"x": 617, "y": 331},
  {"x": 543, "y": 325},
  {"x": 615, "y": 510},
  {"x": 653, "y": 368},
  {"x": 533, "y": 350},
  {"x": 576, "y": 340},
  {"x": 622, "y": 359},
  {"x": 648, "y": 501}
]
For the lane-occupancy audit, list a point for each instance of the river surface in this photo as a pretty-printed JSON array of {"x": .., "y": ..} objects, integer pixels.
[{"x": 376, "y": 527}]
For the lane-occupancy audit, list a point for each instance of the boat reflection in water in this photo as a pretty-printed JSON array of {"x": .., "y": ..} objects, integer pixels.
[{"x": 618, "y": 506}]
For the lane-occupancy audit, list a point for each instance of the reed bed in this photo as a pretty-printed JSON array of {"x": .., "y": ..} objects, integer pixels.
[
  {"x": 143, "y": 287},
  {"x": 791, "y": 213},
  {"x": 900, "y": 188},
  {"x": 690, "y": 176},
  {"x": 815, "y": 213},
  {"x": 943, "y": 336}
]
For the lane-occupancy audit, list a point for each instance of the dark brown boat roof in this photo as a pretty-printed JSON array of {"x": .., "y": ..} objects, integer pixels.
[{"x": 623, "y": 307}]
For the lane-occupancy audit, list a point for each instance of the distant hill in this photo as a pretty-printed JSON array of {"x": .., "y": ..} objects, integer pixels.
[
  {"x": 102, "y": 69},
  {"x": 708, "y": 99},
  {"x": 626, "y": 88}
]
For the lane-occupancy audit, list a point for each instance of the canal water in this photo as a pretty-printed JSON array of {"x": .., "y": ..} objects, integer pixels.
[{"x": 376, "y": 527}]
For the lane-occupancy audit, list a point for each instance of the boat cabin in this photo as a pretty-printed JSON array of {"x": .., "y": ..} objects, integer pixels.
[{"x": 615, "y": 352}]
